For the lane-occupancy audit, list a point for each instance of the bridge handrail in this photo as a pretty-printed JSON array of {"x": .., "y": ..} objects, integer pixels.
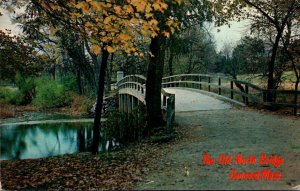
[
  {"x": 217, "y": 76},
  {"x": 250, "y": 91},
  {"x": 132, "y": 78},
  {"x": 133, "y": 85}
]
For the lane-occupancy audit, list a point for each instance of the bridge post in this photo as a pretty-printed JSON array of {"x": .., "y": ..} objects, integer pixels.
[
  {"x": 133, "y": 104},
  {"x": 120, "y": 103},
  {"x": 128, "y": 103},
  {"x": 231, "y": 89},
  {"x": 124, "y": 104},
  {"x": 200, "y": 80},
  {"x": 246, "y": 97},
  {"x": 264, "y": 96},
  {"x": 209, "y": 83},
  {"x": 170, "y": 113},
  {"x": 120, "y": 75},
  {"x": 295, "y": 102},
  {"x": 219, "y": 86},
  {"x": 124, "y": 109},
  {"x": 164, "y": 100}
]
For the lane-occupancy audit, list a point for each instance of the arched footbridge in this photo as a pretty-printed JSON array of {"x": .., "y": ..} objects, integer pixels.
[{"x": 203, "y": 92}]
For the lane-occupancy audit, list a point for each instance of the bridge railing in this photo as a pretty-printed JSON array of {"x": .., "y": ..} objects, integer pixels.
[
  {"x": 134, "y": 85},
  {"x": 134, "y": 82},
  {"x": 168, "y": 106},
  {"x": 132, "y": 91},
  {"x": 234, "y": 89},
  {"x": 132, "y": 78}
]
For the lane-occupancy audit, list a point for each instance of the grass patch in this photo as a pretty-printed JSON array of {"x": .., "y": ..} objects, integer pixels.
[
  {"x": 288, "y": 80},
  {"x": 295, "y": 146}
]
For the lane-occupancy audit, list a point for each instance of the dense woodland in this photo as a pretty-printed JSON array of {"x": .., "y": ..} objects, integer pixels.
[{"x": 69, "y": 51}]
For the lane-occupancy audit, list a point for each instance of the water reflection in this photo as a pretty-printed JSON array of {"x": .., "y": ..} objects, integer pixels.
[{"x": 44, "y": 140}]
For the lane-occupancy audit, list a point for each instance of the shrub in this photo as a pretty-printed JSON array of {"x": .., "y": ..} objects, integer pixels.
[
  {"x": 82, "y": 104},
  {"x": 10, "y": 95},
  {"x": 22, "y": 95},
  {"x": 69, "y": 83},
  {"x": 50, "y": 94},
  {"x": 26, "y": 87}
]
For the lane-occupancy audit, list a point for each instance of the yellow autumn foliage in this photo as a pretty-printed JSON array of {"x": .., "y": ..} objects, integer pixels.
[{"x": 118, "y": 23}]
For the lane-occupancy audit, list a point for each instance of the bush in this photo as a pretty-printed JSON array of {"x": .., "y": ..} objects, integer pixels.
[
  {"x": 82, "y": 104},
  {"x": 50, "y": 94},
  {"x": 19, "y": 96},
  {"x": 26, "y": 87},
  {"x": 11, "y": 95},
  {"x": 69, "y": 83}
]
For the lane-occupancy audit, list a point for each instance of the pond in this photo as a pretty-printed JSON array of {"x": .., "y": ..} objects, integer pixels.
[{"x": 47, "y": 138}]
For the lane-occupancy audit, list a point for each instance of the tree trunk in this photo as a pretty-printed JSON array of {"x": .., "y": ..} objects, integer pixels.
[
  {"x": 97, "y": 64},
  {"x": 271, "y": 83},
  {"x": 171, "y": 64},
  {"x": 97, "y": 119},
  {"x": 190, "y": 63},
  {"x": 297, "y": 74},
  {"x": 81, "y": 139},
  {"x": 153, "y": 84},
  {"x": 79, "y": 82}
]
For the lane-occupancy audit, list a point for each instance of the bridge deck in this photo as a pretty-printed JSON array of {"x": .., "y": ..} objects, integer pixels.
[{"x": 187, "y": 100}]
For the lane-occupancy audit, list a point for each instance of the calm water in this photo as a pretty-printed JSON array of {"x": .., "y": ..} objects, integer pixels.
[{"x": 19, "y": 141}]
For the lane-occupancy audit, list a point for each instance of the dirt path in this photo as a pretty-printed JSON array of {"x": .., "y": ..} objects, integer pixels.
[{"x": 230, "y": 131}]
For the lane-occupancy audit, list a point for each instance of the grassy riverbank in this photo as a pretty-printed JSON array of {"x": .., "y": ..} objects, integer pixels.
[{"x": 11, "y": 113}]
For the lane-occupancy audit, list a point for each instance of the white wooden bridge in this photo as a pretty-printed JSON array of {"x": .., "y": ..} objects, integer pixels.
[{"x": 203, "y": 92}]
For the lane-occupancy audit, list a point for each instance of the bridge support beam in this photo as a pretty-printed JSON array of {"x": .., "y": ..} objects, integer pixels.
[
  {"x": 132, "y": 103},
  {"x": 124, "y": 103},
  {"x": 128, "y": 102},
  {"x": 120, "y": 103},
  {"x": 128, "y": 105}
]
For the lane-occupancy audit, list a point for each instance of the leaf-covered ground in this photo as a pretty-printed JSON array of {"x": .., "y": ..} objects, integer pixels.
[
  {"x": 116, "y": 170},
  {"x": 232, "y": 131},
  {"x": 164, "y": 165}
]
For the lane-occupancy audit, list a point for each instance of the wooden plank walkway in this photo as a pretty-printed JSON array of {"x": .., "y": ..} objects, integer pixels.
[{"x": 188, "y": 100}]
